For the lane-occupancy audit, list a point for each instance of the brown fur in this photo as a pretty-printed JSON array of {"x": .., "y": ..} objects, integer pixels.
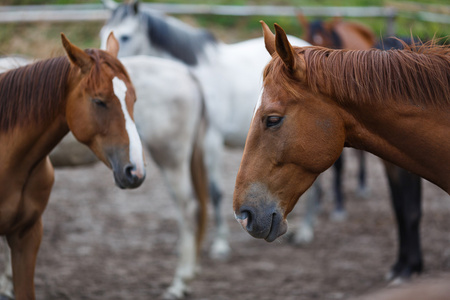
[
  {"x": 35, "y": 93},
  {"x": 416, "y": 75}
]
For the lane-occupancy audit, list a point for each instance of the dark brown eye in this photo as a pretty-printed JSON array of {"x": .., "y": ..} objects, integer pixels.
[
  {"x": 99, "y": 102},
  {"x": 273, "y": 121}
]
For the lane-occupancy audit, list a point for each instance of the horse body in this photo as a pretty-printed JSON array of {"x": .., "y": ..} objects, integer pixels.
[
  {"x": 314, "y": 104},
  {"x": 40, "y": 104},
  {"x": 171, "y": 123}
]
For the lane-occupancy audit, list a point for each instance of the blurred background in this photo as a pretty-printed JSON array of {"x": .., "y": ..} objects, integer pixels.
[{"x": 41, "y": 38}]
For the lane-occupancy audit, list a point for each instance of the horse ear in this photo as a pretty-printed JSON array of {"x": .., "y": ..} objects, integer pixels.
[
  {"x": 135, "y": 5},
  {"x": 77, "y": 56},
  {"x": 292, "y": 60},
  {"x": 110, "y": 4},
  {"x": 269, "y": 38},
  {"x": 112, "y": 45}
]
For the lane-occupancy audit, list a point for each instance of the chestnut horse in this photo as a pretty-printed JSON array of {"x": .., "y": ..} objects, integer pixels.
[
  {"x": 87, "y": 92},
  {"x": 316, "y": 101}
]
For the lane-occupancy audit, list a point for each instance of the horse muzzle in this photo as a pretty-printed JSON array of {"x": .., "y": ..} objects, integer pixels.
[
  {"x": 128, "y": 177},
  {"x": 262, "y": 222}
]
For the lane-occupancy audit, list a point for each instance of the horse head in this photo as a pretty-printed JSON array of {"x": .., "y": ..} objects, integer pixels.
[
  {"x": 293, "y": 137},
  {"x": 99, "y": 110},
  {"x": 128, "y": 26},
  {"x": 320, "y": 33}
]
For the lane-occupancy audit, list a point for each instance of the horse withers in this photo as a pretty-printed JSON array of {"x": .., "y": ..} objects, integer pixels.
[
  {"x": 87, "y": 92},
  {"x": 316, "y": 101}
]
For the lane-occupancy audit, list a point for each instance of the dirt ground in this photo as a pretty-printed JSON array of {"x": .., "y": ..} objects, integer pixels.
[{"x": 104, "y": 243}]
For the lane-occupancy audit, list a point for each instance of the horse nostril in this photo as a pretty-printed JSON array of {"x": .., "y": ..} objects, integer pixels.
[
  {"x": 247, "y": 215},
  {"x": 130, "y": 171}
]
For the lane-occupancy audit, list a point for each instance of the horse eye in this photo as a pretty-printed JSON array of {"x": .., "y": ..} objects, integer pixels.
[
  {"x": 272, "y": 121},
  {"x": 99, "y": 102},
  {"x": 124, "y": 38}
]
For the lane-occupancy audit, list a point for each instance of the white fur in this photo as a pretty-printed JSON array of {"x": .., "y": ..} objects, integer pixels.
[
  {"x": 231, "y": 79},
  {"x": 258, "y": 104},
  {"x": 136, "y": 155}
]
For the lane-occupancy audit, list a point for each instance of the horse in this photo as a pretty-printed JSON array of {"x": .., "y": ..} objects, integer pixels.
[
  {"x": 172, "y": 124},
  {"x": 86, "y": 92},
  {"x": 229, "y": 74},
  {"x": 405, "y": 187},
  {"x": 316, "y": 101}
]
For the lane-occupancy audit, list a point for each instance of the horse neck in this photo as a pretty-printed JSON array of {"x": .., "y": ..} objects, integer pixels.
[
  {"x": 31, "y": 140},
  {"x": 412, "y": 137}
]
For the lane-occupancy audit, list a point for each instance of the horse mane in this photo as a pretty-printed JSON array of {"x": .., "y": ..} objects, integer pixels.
[
  {"x": 32, "y": 92},
  {"x": 169, "y": 34},
  {"x": 36, "y": 93},
  {"x": 418, "y": 75}
]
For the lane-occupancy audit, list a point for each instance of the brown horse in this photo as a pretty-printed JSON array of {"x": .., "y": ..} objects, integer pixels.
[
  {"x": 88, "y": 92},
  {"x": 337, "y": 34},
  {"x": 315, "y": 101}
]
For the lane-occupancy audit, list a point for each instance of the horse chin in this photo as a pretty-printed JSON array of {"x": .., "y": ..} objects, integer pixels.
[{"x": 278, "y": 228}]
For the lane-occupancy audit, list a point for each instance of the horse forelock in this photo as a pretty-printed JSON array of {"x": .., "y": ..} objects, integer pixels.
[
  {"x": 418, "y": 75},
  {"x": 120, "y": 13},
  {"x": 102, "y": 57}
]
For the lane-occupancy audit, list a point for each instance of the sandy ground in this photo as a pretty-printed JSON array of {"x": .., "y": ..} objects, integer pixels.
[{"x": 104, "y": 243}]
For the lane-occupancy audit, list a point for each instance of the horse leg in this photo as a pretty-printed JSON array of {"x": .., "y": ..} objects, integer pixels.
[
  {"x": 304, "y": 234},
  {"x": 339, "y": 212},
  {"x": 6, "y": 283},
  {"x": 24, "y": 248},
  {"x": 179, "y": 182},
  {"x": 406, "y": 201},
  {"x": 363, "y": 189},
  {"x": 220, "y": 248},
  {"x": 25, "y": 240}
]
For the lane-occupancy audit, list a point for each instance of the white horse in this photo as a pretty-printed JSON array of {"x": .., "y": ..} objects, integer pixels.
[
  {"x": 172, "y": 125},
  {"x": 230, "y": 75}
]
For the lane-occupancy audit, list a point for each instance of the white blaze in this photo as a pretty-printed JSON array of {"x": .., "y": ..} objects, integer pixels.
[
  {"x": 258, "y": 104},
  {"x": 136, "y": 154}
]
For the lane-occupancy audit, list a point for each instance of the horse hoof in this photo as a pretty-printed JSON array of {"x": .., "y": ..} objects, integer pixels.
[
  {"x": 176, "y": 292},
  {"x": 363, "y": 192},
  {"x": 339, "y": 215},
  {"x": 303, "y": 236},
  {"x": 220, "y": 250}
]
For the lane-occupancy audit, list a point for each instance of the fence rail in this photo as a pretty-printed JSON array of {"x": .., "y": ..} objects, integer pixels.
[{"x": 97, "y": 12}]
